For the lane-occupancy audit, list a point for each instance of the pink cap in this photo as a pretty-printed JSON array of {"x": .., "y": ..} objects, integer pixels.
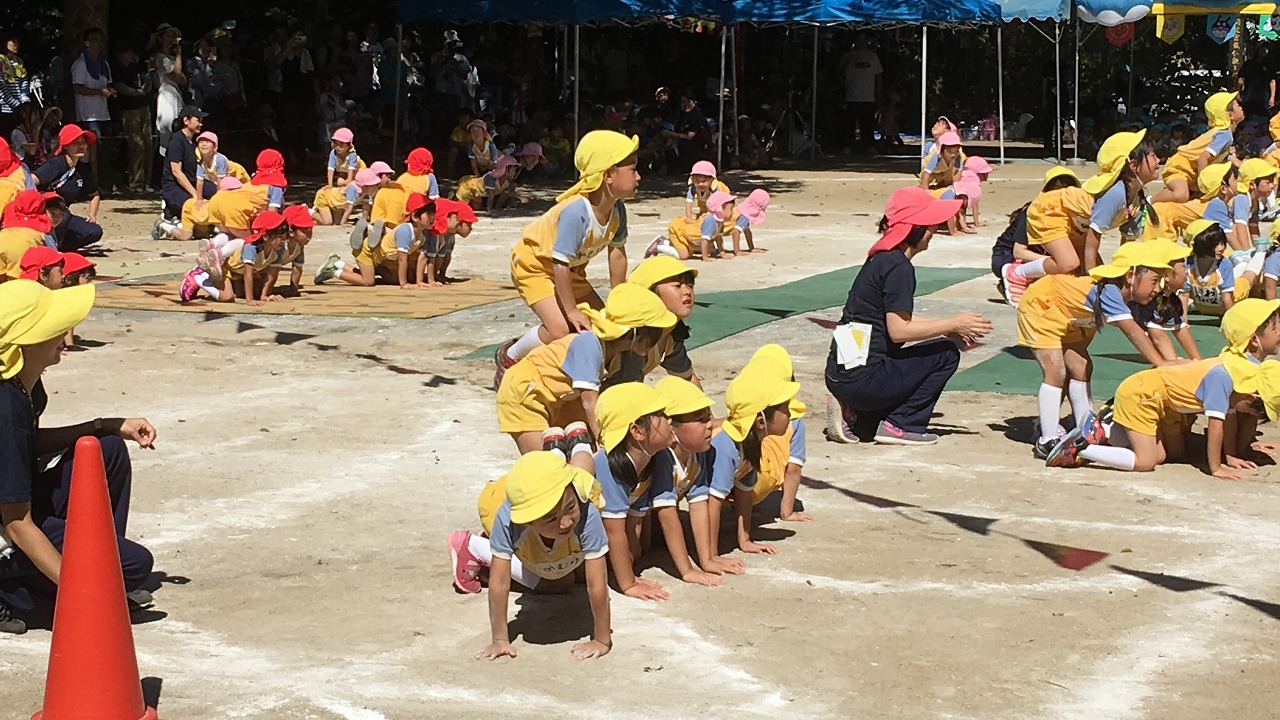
[
  {"x": 977, "y": 164},
  {"x": 703, "y": 167},
  {"x": 531, "y": 149},
  {"x": 716, "y": 202},
  {"x": 910, "y": 207},
  {"x": 949, "y": 138},
  {"x": 381, "y": 168},
  {"x": 367, "y": 178},
  {"x": 503, "y": 163},
  {"x": 477, "y": 123},
  {"x": 970, "y": 187},
  {"x": 754, "y": 206},
  {"x": 206, "y": 135},
  {"x": 343, "y": 135},
  {"x": 230, "y": 182}
]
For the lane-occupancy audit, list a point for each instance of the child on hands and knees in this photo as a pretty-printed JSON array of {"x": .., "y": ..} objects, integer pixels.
[
  {"x": 545, "y": 533},
  {"x": 782, "y": 457}
]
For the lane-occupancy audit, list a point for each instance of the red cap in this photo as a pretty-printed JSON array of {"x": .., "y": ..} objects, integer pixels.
[
  {"x": 908, "y": 208},
  {"x": 420, "y": 161},
  {"x": 416, "y": 202},
  {"x": 75, "y": 262},
  {"x": 27, "y": 210},
  {"x": 8, "y": 160},
  {"x": 299, "y": 216},
  {"x": 270, "y": 166},
  {"x": 263, "y": 223},
  {"x": 70, "y": 133},
  {"x": 38, "y": 258},
  {"x": 445, "y": 208}
]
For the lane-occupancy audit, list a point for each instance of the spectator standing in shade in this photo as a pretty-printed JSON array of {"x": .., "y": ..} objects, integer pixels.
[
  {"x": 165, "y": 56},
  {"x": 451, "y": 70},
  {"x": 862, "y": 93},
  {"x": 15, "y": 85},
  {"x": 692, "y": 134},
  {"x": 202, "y": 74},
  {"x": 297, "y": 92},
  {"x": 1256, "y": 81},
  {"x": 91, "y": 84},
  {"x": 132, "y": 107}
]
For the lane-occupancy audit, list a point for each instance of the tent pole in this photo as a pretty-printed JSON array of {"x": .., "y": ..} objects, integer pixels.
[
  {"x": 813, "y": 96},
  {"x": 737, "y": 141},
  {"x": 724, "y": 46},
  {"x": 924, "y": 83},
  {"x": 1075, "y": 146},
  {"x": 1000, "y": 86},
  {"x": 1057, "y": 88},
  {"x": 395, "y": 137},
  {"x": 577, "y": 82}
]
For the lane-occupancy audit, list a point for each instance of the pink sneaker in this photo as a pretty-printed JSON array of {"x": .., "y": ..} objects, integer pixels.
[
  {"x": 467, "y": 568},
  {"x": 1014, "y": 284},
  {"x": 190, "y": 288}
]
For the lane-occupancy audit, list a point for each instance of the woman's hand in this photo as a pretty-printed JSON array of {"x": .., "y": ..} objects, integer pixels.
[
  {"x": 139, "y": 431},
  {"x": 971, "y": 326},
  {"x": 496, "y": 650}
]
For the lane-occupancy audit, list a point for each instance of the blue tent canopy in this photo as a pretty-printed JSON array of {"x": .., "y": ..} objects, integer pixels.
[
  {"x": 558, "y": 12},
  {"x": 1055, "y": 10},
  {"x": 869, "y": 12}
]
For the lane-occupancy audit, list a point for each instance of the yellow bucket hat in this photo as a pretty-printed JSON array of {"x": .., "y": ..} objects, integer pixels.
[
  {"x": 1112, "y": 156},
  {"x": 1196, "y": 227},
  {"x": 1254, "y": 169},
  {"x": 31, "y": 313},
  {"x": 1241, "y": 322},
  {"x": 1215, "y": 109},
  {"x": 757, "y": 387},
  {"x": 682, "y": 396},
  {"x": 1168, "y": 251},
  {"x": 598, "y": 151},
  {"x": 628, "y": 306},
  {"x": 1058, "y": 171},
  {"x": 1251, "y": 378},
  {"x": 536, "y": 482},
  {"x": 1212, "y": 177},
  {"x": 620, "y": 406},
  {"x": 656, "y": 269},
  {"x": 777, "y": 356},
  {"x": 1129, "y": 256}
]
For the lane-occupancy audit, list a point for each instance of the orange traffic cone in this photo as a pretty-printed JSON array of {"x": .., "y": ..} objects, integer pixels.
[{"x": 93, "y": 671}]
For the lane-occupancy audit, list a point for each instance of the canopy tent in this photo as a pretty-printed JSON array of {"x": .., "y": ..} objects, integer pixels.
[{"x": 556, "y": 12}]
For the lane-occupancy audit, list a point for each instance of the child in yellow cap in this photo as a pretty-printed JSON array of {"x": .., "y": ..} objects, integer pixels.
[
  {"x": 634, "y": 428},
  {"x": 545, "y": 532},
  {"x": 1213, "y": 283},
  {"x": 1127, "y": 161},
  {"x": 782, "y": 457},
  {"x": 1226, "y": 206},
  {"x": 549, "y": 263},
  {"x": 1224, "y": 113},
  {"x": 560, "y": 383},
  {"x": 1058, "y": 317},
  {"x": 758, "y": 402},
  {"x": 672, "y": 281},
  {"x": 1257, "y": 183},
  {"x": 683, "y": 473},
  {"x": 1166, "y": 315}
]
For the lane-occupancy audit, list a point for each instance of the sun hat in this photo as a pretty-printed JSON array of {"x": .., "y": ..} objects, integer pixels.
[
  {"x": 343, "y": 135},
  {"x": 298, "y": 216},
  {"x": 757, "y": 387},
  {"x": 71, "y": 133},
  {"x": 445, "y": 208},
  {"x": 909, "y": 207},
  {"x": 1193, "y": 230},
  {"x": 717, "y": 201},
  {"x": 776, "y": 356},
  {"x": 1058, "y": 171},
  {"x": 949, "y": 139},
  {"x": 705, "y": 168},
  {"x": 620, "y": 406},
  {"x": 230, "y": 182},
  {"x": 1254, "y": 169},
  {"x": 682, "y": 396},
  {"x": 1112, "y": 156},
  {"x": 263, "y": 223},
  {"x": 977, "y": 164},
  {"x": 478, "y": 123},
  {"x": 1241, "y": 322},
  {"x": 1129, "y": 256},
  {"x": 8, "y": 160},
  {"x": 531, "y": 149},
  {"x": 75, "y": 262},
  {"x": 1211, "y": 178},
  {"x": 1168, "y": 251},
  {"x": 628, "y": 307},
  {"x": 1261, "y": 379},
  {"x": 503, "y": 163},
  {"x": 381, "y": 168},
  {"x": 270, "y": 164},
  {"x": 968, "y": 185},
  {"x": 658, "y": 269},
  {"x": 537, "y": 481},
  {"x": 416, "y": 202},
  {"x": 1215, "y": 109},
  {"x": 754, "y": 206},
  {"x": 598, "y": 151},
  {"x": 367, "y": 178},
  {"x": 36, "y": 259},
  {"x": 420, "y": 161},
  {"x": 950, "y": 125},
  {"x": 31, "y": 313},
  {"x": 210, "y": 136},
  {"x": 27, "y": 210}
]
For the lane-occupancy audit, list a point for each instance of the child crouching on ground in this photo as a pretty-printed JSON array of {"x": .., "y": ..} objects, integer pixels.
[{"x": 245, "y": 272}]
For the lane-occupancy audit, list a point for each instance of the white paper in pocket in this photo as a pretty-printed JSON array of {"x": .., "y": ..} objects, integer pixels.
[{"x": 853, "y": 342}]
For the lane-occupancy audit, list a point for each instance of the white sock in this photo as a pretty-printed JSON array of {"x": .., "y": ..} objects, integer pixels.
[
  {"x": 1081, "y": 400},
  {"x": 208, "y": 285},
  {"x": 580, "y": 448},
  {"x": 1255, "y": 263},
  {"x": 1116, "y": 458},
  {"x": 1031, "y": 270},
  {"x": 559, "y": 452},
  {"x": 525, "y": 345},
  {"x": 339, "y": 266},
  {"x": 479, "y": 546},
  {"x": 201, "y": 277},
  {"x": 523, "y": 575},
  {"x": 1050, "y": 402}
]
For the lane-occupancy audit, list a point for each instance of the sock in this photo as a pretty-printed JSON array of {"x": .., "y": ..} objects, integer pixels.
[
  {"x": 339, "y": 266},
  {"x": 1115, "y": 458},
  {"x": 525, "y": 345},
  {"x": 559, "y": 452},
  {"x": 1081, "y": 400},
  {"x": 523, "y": 575},
  {"x": 1031, "y": 270},
  {"x": 207, "y": 284},
  {"x": 201, "y": 277},
  {"x": 580, "y": 448},
  {"x": 479, "y": 546},
  {"x": 1255, "y": 263},
  {"x": 1050, "y": 401}
]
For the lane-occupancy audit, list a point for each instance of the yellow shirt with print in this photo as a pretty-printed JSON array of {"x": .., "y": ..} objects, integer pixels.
[
  {"x": 14, "y": 243},
  {"x": 234, "y": 209}
]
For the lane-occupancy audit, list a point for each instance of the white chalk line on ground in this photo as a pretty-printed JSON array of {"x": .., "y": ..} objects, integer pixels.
[{"x": 960, "y": 588}]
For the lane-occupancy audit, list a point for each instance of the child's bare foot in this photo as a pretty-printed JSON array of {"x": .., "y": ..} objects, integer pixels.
[{"x": 758, "y": 250}]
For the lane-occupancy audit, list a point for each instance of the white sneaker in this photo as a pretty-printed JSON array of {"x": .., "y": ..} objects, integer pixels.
[{"x": 837, "y": 429}]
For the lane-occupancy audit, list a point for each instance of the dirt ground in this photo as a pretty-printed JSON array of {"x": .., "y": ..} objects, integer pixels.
[{"x": 300, "y": 495}]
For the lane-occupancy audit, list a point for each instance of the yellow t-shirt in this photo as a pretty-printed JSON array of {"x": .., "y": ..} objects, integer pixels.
[
  {"x": 420, "y": 184},
  {"x": 234, "y": 209},
  {"x": 1147, "y": 400},
  {"x": 234, "y": 263},
  {"x": 388, "y": 206},
  {"x": 14, "y": 243},
  {"x": 583, "y": 241},
  {"x": 1060, "y": 213}
]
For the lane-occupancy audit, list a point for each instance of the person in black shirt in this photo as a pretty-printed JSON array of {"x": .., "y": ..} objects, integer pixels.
[
  {"x": 178, "y": 182},
  {"x": 692, "y": 134},
  {"x": 894, "y": 386},
  {"x": 135, "y": 94},
  {"x": 36, "y": 462},
  {"x": 69, "y": 175}
]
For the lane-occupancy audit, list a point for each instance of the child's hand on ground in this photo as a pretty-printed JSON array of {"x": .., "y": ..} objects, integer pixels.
[
  {"x": 1227, "y": 473},
  {"x": 1265, "y": 448},
  {"x": 274, "y": 298},
  {"x": 756, "y": 548},
  {"x": 797, "y": 517},
  {"x": 255, "y": 303},
  {"x": 496, "y": 650},
  {"x": 589, "y": 649},
  {"x": 433, "y": 284},
  {"x": 1240, "y": 463},
  {"x": 759, "y": 250},
  {"x": 722, "y": 565},
  {"x": 698, "y": 577},
  {"x": 646, "y": 590},
  {"x": 411, "y": 286}
]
